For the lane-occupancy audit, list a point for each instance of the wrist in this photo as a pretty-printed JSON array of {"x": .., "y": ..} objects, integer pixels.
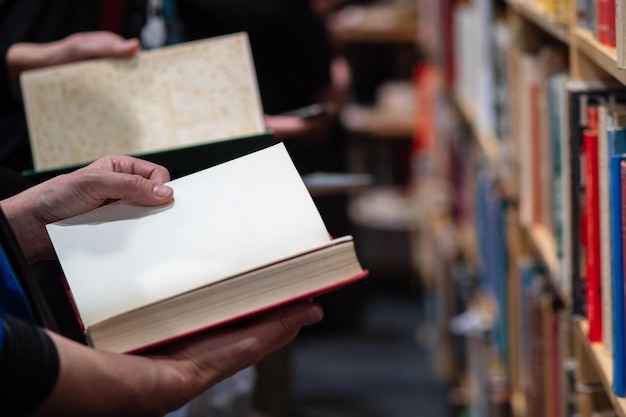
[
  {"x": 25, "y": 56},
  {"x": 104, "y": 384}
]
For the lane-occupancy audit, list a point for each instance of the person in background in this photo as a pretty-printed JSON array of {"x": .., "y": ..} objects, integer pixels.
[
  {"x": 296, "y": 67},
  {"x": 294, "y": 60},
  {"x": 27, "y": 25},
  {"x": 43, "y": 373}
]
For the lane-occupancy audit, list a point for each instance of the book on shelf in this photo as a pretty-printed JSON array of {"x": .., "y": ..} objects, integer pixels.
[
  {"x": 559, "y": 144},
  {"x": 603, "y": 124},
  {"x": 598, "y": 241},
  {"x": 562, "y": 11},
  {"x": 240, "y": 238},
  {"x": 532, "y": 283},
  {"x": 586, "y": 14},
  {"x": 592, "y": 228},
  {"x": 165, "y": 103},
  {"x": 472, "y": 43},
  {"x": 553, "y": 354},
  {"x": 492, "y": 249},
  {"x": 605, "y": 22},
  {"x": 579, "y": 96},
  {"x": 531, "y": 116},
  {"x": 611, "y": 245},
  {"x": 621, "y": 359},
  {"x": 542, "y": 337},
  {"x": 617, "y": 280}
]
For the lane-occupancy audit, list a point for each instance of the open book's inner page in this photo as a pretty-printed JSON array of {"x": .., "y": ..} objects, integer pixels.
[
  {"x": 225, "y": 220},
  {"x": 170, "y": 97}
]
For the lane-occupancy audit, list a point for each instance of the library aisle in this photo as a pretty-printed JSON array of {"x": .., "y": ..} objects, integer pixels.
[{"x": 377, "y": 371}]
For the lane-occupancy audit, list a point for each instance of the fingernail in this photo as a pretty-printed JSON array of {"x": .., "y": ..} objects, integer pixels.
[
  {"x": 314, "y": 315},
  {"x": 161, "y": 190}
]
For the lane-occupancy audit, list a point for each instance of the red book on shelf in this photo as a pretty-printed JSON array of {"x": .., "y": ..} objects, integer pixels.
[
  {"x": 593, "y": 268},
  {"x": 605, "y": 22}
]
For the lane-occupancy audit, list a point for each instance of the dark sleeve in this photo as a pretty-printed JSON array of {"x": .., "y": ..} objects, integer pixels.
[
  {"x": 29, "y": 367},
  {"x": 40, "y": 21},
  {"x": 290, "y": 44}
]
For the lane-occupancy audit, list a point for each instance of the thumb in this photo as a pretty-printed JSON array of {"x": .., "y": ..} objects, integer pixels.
[{"x": 130, "y": 187}]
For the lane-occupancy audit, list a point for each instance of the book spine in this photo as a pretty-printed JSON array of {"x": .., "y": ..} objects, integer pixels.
[
  {"x": 585, "y": 14},
  {"x": 527, "y": 272},
  {"x": 612, "y": 22},
  {"x": 605, "y": 227},
  {"x": 618, "y": 186},
  {"x": 621, "y": 358},
  {"x": 594, "y": 296},
  {"x": 605, "y": 22},
  {"x": 538, "y": 345},
  {"x": 574, "y": 177}
]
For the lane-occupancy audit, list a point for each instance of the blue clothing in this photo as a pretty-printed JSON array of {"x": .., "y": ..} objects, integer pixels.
[{"x": 12, "y": 298}]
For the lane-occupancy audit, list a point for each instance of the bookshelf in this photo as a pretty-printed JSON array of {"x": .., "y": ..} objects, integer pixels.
[
  {"x": 536, "y": 13},
  {"x": 603, "y": 56},
  {"x": 542, "y": 233},
  {"x": 543, "y": 243},
  {"x": 601, "y": 363}
]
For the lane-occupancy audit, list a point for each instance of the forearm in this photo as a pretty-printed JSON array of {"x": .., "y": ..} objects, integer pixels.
[
  {"x": 24, "y": 56},
  {"x": 97, "y": 383}
]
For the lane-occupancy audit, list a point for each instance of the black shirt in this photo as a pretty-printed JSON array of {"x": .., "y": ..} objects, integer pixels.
[{"x": 289, "y": 44}]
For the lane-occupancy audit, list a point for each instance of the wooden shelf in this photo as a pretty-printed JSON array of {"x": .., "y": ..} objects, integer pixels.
[
  {"x": 379, "y": 122},
  {"x": 518, "y": 404},
  {"x": 603, "y": 365},
  {"x": 545, "y": 245},
  {"x": 534, "y": 12},
  {"x": 374, "y": 24},
  {"x": 604, "y": 56}
]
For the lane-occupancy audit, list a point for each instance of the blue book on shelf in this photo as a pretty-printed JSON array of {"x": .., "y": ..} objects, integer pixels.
[
  {"x": 617, "y": 149},
  {"x": 493, "y": 255}
]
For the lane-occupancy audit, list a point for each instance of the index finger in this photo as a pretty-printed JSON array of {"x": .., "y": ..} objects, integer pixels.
[{"x": 136, "y": 166}]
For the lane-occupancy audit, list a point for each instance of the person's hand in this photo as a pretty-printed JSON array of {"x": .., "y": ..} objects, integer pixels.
[
  {"x": 109, "y": 178},
  {"x": 96, "y": 383},
  {"x": 77, "y": 47},
  {"x": 296, "y": 128},
  {"x": 285, "y": 127},
  {"x": 316, "y": 129}
]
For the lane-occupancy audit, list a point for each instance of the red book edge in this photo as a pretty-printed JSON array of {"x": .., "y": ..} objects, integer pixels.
[
  {"x": 70, "y": 297},
  {"x": 253, "y": 313}
]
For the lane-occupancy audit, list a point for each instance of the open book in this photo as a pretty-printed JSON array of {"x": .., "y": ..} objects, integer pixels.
[
  {"x": 240, "y": 237},
  {"x": 164, "y": 99}
]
